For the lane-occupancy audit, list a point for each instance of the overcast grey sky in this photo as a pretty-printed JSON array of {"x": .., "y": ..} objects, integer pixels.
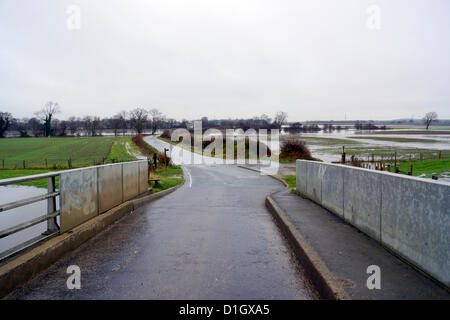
[{"x": 226, "y": 59}]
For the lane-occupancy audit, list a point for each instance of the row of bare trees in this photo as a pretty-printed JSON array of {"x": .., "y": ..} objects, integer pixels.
[{"x": 44, "y": 123}]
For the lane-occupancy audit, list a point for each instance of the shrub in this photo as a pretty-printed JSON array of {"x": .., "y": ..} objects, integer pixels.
[
  {"x": 293, "y": 149},
  {"x": 142, "y": 145},
  {"x": 165, "y": 134},
  {"x": 164, "y": 159}
]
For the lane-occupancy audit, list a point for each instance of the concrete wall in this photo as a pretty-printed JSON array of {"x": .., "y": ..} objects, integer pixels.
[
  {"x": 143, "y": 176},
  {"x": 78, "y": 197},
  {"x": 130, "y": 180},
  {"x": 110, "y": 186},
  {"x": 408, "y": 215},
  {"x": 88, "y": 192}
]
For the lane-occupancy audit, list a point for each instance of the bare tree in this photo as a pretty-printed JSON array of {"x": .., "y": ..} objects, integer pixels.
[
  {"x": 73, "y": 124},
  {"x": 280, "y": 119},
  {"x": 157, "y": 119},
  {"x": 63, "y": 128},
  {"x": 87, "y": 124},
  {"x": 123, "y": 115},
  {"x": 22, "y": 126},
  {"x": 138, "y": 118},
  {"x": 96, "y": 127},
  {"x": 5, "y": 122},
  {"x": 171, "y": 123},
  {"x": 114, "y": 122},
  {"x": 46, "y": 114},
  {"x": 36, "y": 127},
  {"x": 430, "y": 117}
]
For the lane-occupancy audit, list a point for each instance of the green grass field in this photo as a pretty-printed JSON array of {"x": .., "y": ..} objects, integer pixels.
[
  {"x": 84, "y": 151},
  {"x": 426, "y": 167},
  {"x": 53, "y": 152}
]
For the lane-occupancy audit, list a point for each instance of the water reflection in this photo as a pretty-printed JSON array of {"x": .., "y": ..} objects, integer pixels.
[{"x": 19, "y": 215}]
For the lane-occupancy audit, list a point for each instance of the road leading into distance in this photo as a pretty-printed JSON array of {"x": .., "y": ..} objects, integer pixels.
[{"x": 211, "y": 239}]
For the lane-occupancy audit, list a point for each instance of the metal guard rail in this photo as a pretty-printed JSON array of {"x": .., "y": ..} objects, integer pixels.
[{"x": 50, "y": 217}]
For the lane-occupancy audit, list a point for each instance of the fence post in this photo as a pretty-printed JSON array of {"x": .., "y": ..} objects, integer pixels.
[
  {"x": 52, "y": 225},
  {"x": 3, "y": 163},
  {"x": 24, "y": 164}
]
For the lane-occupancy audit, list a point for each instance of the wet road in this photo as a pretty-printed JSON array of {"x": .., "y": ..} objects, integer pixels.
[{"x": 210, "y": 239}]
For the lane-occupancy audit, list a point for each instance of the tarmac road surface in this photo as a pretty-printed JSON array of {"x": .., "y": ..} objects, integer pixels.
[{"x": 212, "y": 238}]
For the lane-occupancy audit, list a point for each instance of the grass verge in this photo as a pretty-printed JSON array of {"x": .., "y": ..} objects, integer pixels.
[
  {"x": 290, "y": 180},
  {"x": 170, "y": 176}
]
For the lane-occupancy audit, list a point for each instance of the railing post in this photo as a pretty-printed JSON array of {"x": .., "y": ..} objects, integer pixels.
[{"x": 52, "y": 225}]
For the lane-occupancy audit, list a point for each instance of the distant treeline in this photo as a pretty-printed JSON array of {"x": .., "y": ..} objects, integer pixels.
[{"x": 137, "y": 120}]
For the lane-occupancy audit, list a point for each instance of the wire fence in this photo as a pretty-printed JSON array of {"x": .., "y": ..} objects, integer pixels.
[{"x": 372, "y": 156}]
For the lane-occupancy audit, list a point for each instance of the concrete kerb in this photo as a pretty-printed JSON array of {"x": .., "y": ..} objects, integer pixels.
[
  {"x": 26, "y": 266},
  {"x": 322, "y": 278}
]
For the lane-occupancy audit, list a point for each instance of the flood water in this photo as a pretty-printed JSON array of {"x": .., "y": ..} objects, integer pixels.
[{"x": 13, "y": 217}]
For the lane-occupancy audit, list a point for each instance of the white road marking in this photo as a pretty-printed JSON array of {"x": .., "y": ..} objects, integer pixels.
[{"x": 190, "y": 177}]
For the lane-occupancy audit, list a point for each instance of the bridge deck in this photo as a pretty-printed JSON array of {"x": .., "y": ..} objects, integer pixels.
[{"x": 211, "y": 239}]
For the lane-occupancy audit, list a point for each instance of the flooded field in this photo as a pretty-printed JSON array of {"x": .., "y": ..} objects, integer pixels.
[
  {"x": 327, "y": 146},
  {"x": 19, "y": 215}
]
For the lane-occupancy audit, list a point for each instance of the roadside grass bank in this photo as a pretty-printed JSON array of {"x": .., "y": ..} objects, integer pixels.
[
  {"x": 169, "y": 176},
  {"x": 290, "y": 180},
  {"x": 146, "y": 149},
  {"x": 119, "y": 152}
]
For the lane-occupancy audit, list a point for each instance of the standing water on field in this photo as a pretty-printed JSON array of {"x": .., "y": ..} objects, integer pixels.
[{"x": 13, "y": 217}]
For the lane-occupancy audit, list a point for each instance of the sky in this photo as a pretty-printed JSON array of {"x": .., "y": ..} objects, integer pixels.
[{"x": 315, "y": 60}]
